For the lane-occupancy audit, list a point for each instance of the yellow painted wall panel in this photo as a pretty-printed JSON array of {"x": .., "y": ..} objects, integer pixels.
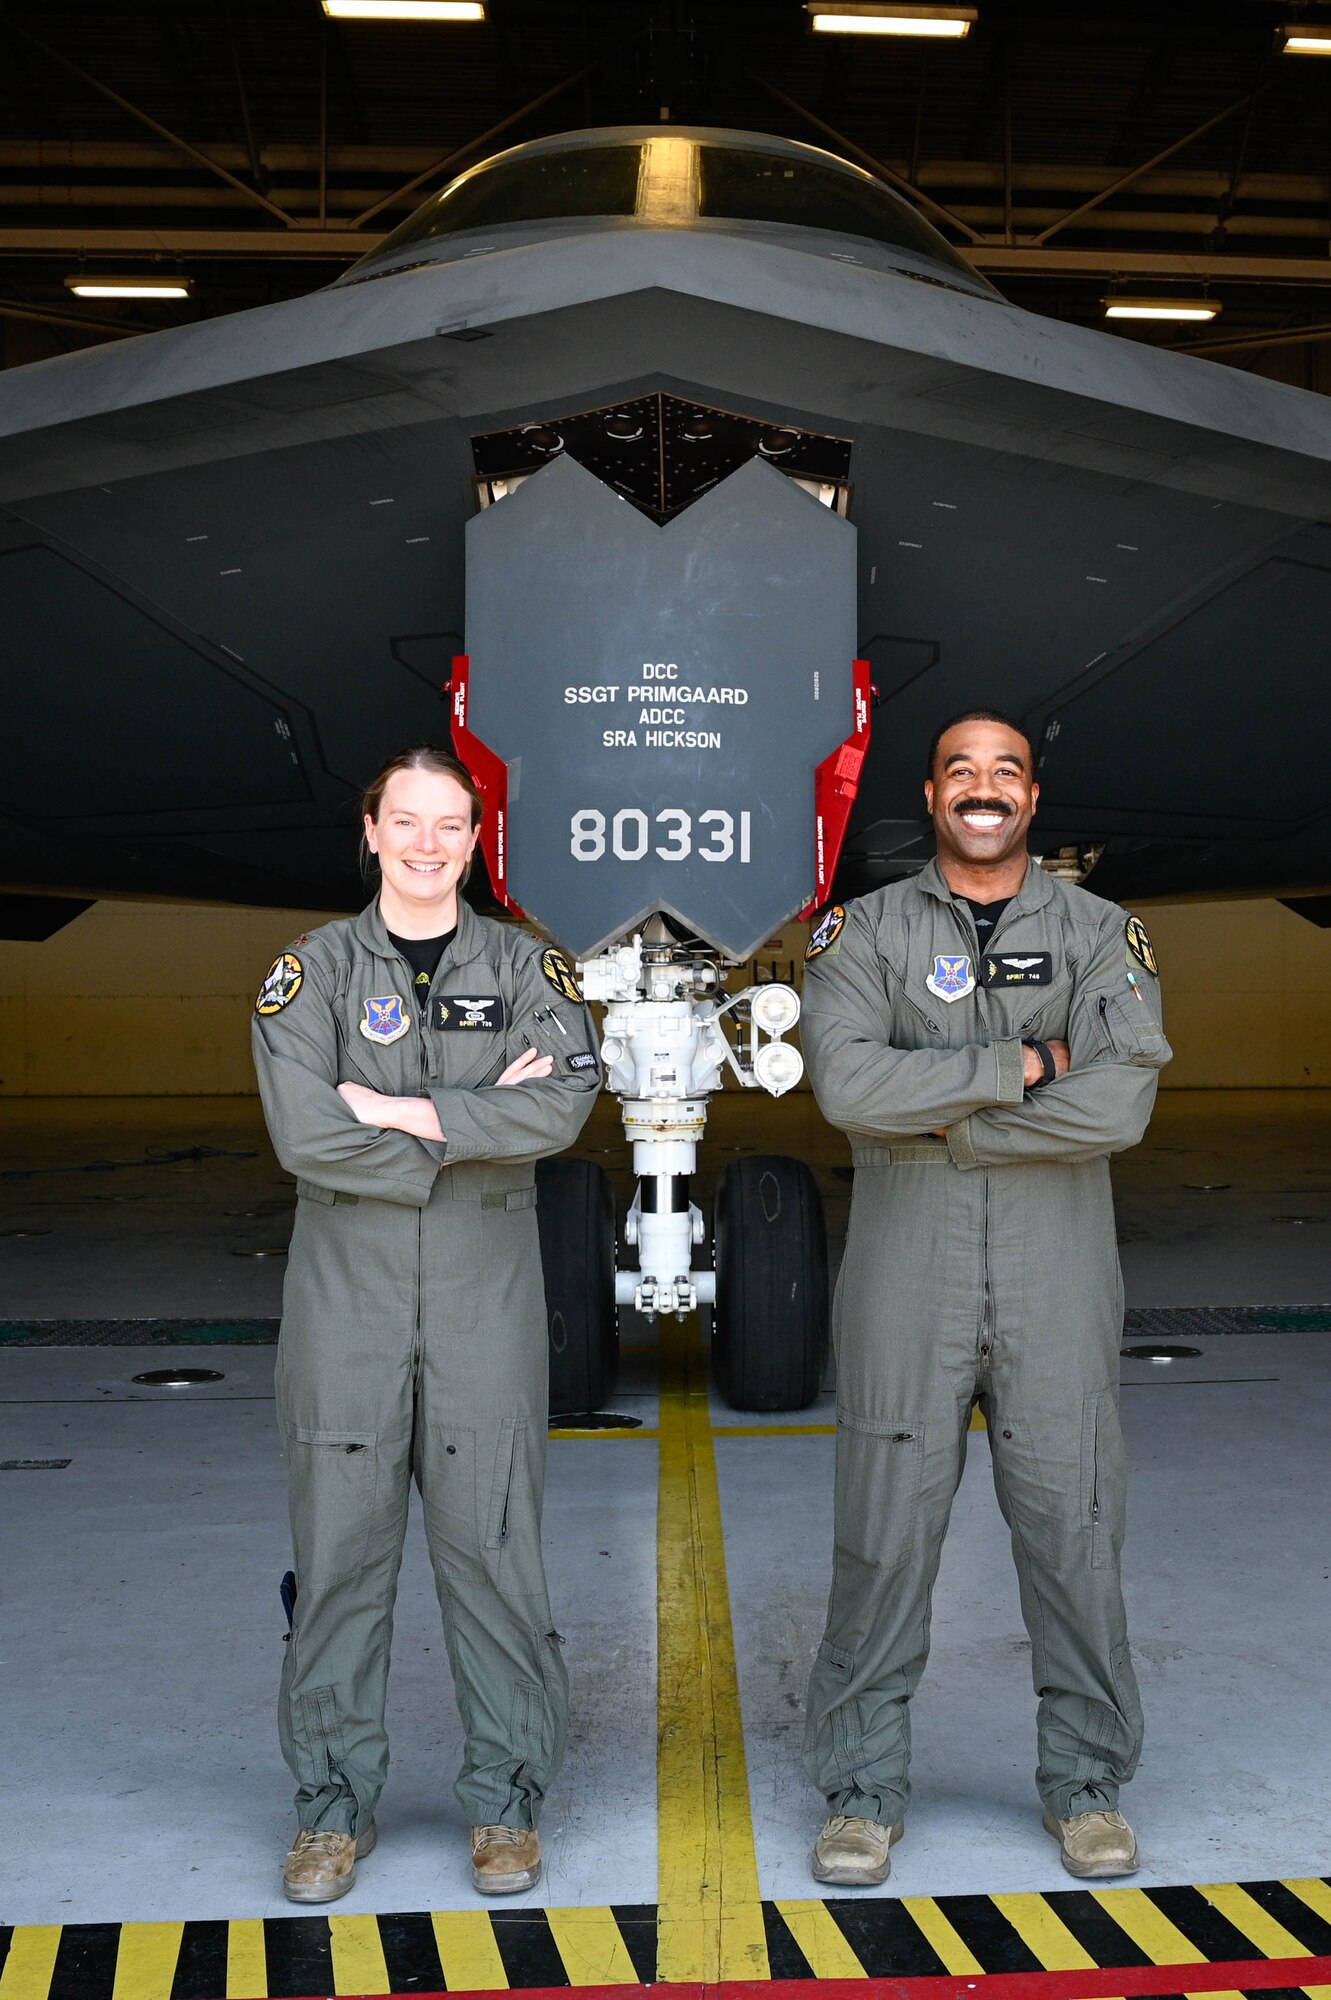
[{"x": 153, "y": 999}]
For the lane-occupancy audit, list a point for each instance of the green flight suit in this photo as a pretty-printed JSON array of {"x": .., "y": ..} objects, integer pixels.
[
  {"x": 979, "y": 1267},
  {"x": 413, "y": 1344}
]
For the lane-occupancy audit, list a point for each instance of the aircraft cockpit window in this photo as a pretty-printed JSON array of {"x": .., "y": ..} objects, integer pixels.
[
  {"x": 601, "y": 180},
  {"x": 751, "y": 186}
]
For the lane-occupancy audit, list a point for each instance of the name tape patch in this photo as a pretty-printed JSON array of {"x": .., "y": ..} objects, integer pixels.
[
  {"x": 1016, "y": 968},
  {"x": 483, "y": 1015}
]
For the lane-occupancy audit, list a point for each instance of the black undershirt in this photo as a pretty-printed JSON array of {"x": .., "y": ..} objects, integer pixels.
[
  {"x": 423, "y": 956},
  {"x": 986, "y": 917}
]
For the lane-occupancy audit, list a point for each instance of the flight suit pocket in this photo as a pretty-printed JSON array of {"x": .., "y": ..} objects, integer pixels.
[
  {"x": 512, "y": 1439},
  {"x": 1103, "y": 1478},
  {"x": 879, "y": 1470},
  {"x": 334, "y": 1482},
  {"x": 1133, "y": 1036}
]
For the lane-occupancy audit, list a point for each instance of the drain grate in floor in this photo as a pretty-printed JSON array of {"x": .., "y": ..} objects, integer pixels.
[
  {"x": 1140, "y": 1322},
  {"x": 1173, "y": 1322},
  {"x": 137, "y": 1332}
]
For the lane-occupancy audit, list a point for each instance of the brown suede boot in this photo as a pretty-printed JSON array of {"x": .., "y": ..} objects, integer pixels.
[
  {"x": 322, "y": 1864},
  {"x": 854, "y": 1853},
  {"x": 1095, "y": 1845},
  {"x": 505, "y": 1859}
]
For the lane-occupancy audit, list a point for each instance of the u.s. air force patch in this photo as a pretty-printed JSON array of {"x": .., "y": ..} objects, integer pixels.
[
  {"x": 284, "y": 979},
  {"x": 1139, "y": 945},
  {"x": 385, "y": 1019},
  {"x": 827, "y": 932},
  {"x": 560, "y": 974}
]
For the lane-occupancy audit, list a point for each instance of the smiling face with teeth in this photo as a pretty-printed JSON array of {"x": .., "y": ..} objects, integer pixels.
[
  {"x": 982, "y": 798},
  {"x": 423, "y": 839}
]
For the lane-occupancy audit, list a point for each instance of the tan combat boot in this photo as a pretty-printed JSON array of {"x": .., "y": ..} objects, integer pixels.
[
  {"x": 854, "y": 1853},
  {"x": 322, "y": 1864},
  {"x": 505, "y": 1859},
  {"x": 1095, "y": 1844}
]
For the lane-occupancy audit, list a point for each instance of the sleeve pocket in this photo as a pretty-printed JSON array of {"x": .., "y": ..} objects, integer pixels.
[{"x": 1133, "y": 1035}]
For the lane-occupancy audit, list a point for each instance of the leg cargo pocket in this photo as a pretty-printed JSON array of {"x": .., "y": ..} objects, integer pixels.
[
  {"x": 334, "y": 1482},
  {"x": 879, "y": 1470}
]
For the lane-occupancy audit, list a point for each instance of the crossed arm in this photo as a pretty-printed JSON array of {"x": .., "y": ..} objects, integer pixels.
[{"x": 417, "y": 1115}]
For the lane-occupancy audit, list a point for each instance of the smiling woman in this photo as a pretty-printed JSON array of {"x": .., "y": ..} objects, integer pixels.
[{"x": 414, "y": 1063}]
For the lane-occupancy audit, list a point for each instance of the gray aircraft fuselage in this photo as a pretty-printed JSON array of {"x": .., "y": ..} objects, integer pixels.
[{"x": 232, "y": 554}]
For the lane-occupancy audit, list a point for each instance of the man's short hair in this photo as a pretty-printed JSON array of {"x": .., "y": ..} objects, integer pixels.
[{"x": 977, "y": 715}]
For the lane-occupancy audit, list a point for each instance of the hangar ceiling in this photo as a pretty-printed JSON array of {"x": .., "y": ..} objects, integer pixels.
[{"x": 1067, "y": 150}]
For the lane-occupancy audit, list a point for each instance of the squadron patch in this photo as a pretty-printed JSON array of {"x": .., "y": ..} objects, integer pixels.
[
  {"x": 560, "y": 974},
  {"x": 1139, "y": 945},
  {"x": 485, "y": 1015},
  {"x": 952, "y": 978},
  {"x": 386, "y": 1019},
  {"x": 283, "y": 981},
  {"x": 828, "y": 931}
]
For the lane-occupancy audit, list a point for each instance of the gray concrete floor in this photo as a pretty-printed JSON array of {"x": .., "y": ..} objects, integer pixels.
[{"x": 140, "y": 1636}]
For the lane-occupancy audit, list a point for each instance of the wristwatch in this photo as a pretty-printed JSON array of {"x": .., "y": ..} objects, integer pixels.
[{"x": 1047, "y": 1065}]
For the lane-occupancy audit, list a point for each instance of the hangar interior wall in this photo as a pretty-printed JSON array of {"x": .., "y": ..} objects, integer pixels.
[{"x": 154, "y": 999}]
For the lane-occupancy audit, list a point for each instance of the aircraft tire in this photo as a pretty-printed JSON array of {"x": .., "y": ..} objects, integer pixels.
[
  {"x": 575, "y": 1214},
  {"x": 769, "y": 1326}
]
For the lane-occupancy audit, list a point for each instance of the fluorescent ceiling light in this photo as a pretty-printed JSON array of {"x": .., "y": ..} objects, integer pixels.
[
  {"x": 1305, "y": 39},
  {"x": 1126, "y": 308},
  {"x": 404, "y": 10},
  {"x": 829, "y": 17},
  {"x": 84, "y": 287}
]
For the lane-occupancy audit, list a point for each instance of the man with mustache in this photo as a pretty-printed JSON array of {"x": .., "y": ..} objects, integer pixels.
[{"x": 987, "y": 1035}]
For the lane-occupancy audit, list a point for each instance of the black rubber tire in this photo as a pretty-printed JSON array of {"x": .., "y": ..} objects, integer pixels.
[
  {"x": 769, "y": 1327},
  {"x": 575, "y": 1213}
]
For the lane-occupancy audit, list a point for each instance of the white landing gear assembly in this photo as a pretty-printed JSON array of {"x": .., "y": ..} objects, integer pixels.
[{"x": 662, "y": 851}]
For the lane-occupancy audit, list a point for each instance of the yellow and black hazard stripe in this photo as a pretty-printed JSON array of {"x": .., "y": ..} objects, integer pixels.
[{"x": 1255, "y": 1937}]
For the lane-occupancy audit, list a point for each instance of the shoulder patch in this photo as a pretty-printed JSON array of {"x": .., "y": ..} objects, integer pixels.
[
  {"x": 1139, "y": 945},
  {"x": 827, "y": 933},
  {"x": 285, "y": 977},
  {"x": 560, "y": 974}
]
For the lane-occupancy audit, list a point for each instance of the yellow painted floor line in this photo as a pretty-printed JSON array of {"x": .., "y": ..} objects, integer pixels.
[
  {"x": 709, "y": 1919},
  {"x": 26, "y": 1974},
  {"x": 146, "y": 1959},
  {"x": 1248, "y": 1916},
  {"x": 591, "y": 1947},
  {"x": 246, "y": 1960},
  {"x": 818, "y": 1936},
  {"x": 1047, "y": 1935},
  {"x": 774, "y": 1430},
  {"x": 358, "y": 1956},
  {"x": 468, "y": 1952},
  {"x": 956, "y": 1955},
  {"x": 565, "y": 1432},
  {"x": 1149, "y": 1928}
]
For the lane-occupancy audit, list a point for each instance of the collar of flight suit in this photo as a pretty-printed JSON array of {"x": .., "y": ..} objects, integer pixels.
[
  {"x": 1034, "y": 893},
  {"x": 371, "y": 931}
]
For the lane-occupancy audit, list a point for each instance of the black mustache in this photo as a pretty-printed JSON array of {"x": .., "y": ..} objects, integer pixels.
[{"x": 984, "y": 805}]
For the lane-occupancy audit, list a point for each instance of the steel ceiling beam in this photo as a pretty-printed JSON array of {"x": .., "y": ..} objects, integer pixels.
[
  {"x": 336, "y": 244},
  {"x": 879, "y": 168},
  {"x": 144, "y": 118},
  {"x": 1126, "y": 180},
  {"x": 460, "y": 152}
]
